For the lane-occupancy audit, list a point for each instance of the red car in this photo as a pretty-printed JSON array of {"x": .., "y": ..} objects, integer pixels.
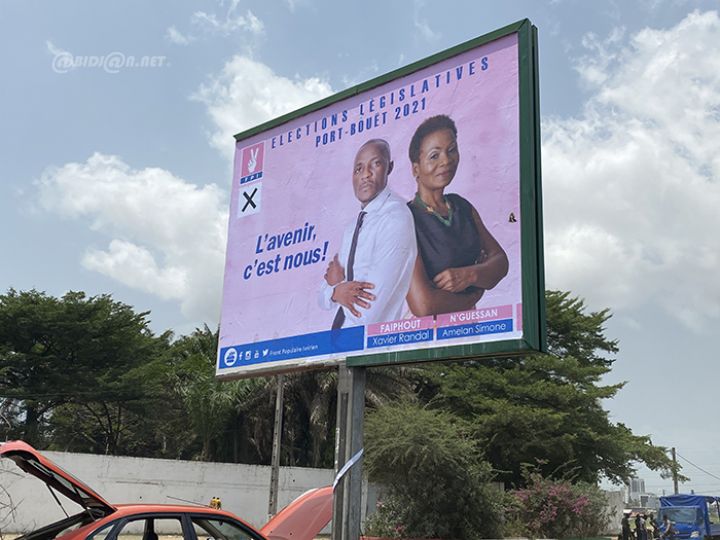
[{"x": 302, "y": 519}]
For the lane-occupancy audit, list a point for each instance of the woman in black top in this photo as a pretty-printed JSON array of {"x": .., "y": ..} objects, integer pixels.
[{"x": 458, "y": 258}]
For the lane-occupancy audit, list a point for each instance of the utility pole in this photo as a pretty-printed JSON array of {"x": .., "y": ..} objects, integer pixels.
[
  {"x": 674, "y": 471},
  {"x": 277, "y": 438}
]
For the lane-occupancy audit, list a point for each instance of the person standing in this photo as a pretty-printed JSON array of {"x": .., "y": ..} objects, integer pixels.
[
  {"x": 668, "y": 531},
  {"x": 626, "y": 533},
  {"x": 367, "y": 281},
  {"x": 640, "y": 531},
  {"x": 459, "y": 257}
]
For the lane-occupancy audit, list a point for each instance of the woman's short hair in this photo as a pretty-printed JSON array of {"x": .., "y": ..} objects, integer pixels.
[{"x": 430, "y": 125}]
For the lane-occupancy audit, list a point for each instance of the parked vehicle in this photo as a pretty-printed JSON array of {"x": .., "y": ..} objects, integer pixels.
[
  {"x": 692, "y": 516},
  {"x": 302, "y": 519}
]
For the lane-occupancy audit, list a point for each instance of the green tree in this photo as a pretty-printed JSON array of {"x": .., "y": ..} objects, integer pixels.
[
  {"x": 211, "y": 407},
  {"x": 547, "y": 407},
  {"x": 72, "y": 351},
  {"x": 9, "y": 418},
  {"x": 184, "y": 412}
]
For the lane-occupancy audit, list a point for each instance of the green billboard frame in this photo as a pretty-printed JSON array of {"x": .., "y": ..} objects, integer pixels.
[{"x": 533, "y": 274}]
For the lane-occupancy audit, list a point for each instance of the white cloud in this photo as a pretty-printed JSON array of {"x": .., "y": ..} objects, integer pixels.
[
  {"x": 135, "y": 266},
  {"x": 166, "y": 235},
  {"x": 206, "y": 23},
  {"x": 55, "y": 50},
  {"x": 593, "y": 69},
  {"x": 63, "y": 61},
  {"x": 421, "y": 24},
  {"x": 361, "y": 75},
  {"x": 632, "y": 185},
  {"x": 254, "y": 24},
  {"x": 247, "y": 93},
  {"x": 178, "y": 38},
  {"x": 230, "y": 22}
]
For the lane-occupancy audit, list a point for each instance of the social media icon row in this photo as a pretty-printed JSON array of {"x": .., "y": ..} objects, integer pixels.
[{"x": 232, "y": 355}]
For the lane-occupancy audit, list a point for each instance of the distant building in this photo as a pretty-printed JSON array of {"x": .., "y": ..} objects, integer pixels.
[
  {"x": 649, "y": 500},
  {"x": 637, "y": 486},
  {"x": 638, "y": 497}
]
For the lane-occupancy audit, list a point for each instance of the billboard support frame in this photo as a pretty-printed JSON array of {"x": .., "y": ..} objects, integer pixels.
[{"x": 352, "y": 370}]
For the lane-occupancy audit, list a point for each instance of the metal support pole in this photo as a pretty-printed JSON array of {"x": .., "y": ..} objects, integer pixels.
[
  {"x": 356, "y": 414},
  {"x": 343, "y": 388},
  {"x": 347, "y": 503},
  {"x": 674, "y": 471},
  {"x": 277, "y": 439}
]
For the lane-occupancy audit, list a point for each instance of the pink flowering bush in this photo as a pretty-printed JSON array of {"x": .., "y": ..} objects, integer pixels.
[
  {"x": 548, "y": 508},
  {"x": 387, "y": 521}
]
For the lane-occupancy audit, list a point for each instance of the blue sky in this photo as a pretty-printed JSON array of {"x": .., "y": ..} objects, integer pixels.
[{"x": 116, "y": 179}]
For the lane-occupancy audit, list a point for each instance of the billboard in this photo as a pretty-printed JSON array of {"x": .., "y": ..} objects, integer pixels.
[{"x": 396, "y": 221}]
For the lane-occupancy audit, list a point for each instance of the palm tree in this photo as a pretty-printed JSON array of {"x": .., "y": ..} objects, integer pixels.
[
  {"x": 234, "y": 419},
  {"x": 311, "y": 403}
]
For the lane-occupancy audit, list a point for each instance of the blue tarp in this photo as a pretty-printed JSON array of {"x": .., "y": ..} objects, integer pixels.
[{"x": 687, "y": 500}]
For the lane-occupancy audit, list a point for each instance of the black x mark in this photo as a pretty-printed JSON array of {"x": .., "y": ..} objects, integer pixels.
[{"x": 248, "y": 200}]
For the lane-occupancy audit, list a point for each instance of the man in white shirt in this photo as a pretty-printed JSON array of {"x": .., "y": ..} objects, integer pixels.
[{"x": 367, "y": 281}]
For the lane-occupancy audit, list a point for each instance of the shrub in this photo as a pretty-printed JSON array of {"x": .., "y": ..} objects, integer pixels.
[
  {"x": 548, "y": 508},
  {"x": 437, "y": 481}
]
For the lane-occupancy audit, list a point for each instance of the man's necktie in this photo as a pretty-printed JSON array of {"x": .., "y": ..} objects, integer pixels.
[{"x": 340, "y": 315}]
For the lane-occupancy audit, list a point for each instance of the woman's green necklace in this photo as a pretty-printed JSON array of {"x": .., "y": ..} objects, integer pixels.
[{"x": 447, "y": 221}]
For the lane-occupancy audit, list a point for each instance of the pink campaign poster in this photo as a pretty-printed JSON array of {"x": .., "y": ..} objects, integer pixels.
[{"x": 412, "y": 188}]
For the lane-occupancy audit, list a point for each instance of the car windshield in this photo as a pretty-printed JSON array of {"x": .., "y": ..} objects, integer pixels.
[{"x": 682, "y": 514}]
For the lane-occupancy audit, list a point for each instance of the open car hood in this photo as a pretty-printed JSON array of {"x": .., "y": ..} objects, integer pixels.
[
  {"x": 302, "y": 519},
  {"x": 33, "y": 462}
]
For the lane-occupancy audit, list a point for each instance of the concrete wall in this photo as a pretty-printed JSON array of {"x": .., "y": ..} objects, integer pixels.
[
  {"x": 243, "y": 489},
  {"x": 615, "y": 506}
]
